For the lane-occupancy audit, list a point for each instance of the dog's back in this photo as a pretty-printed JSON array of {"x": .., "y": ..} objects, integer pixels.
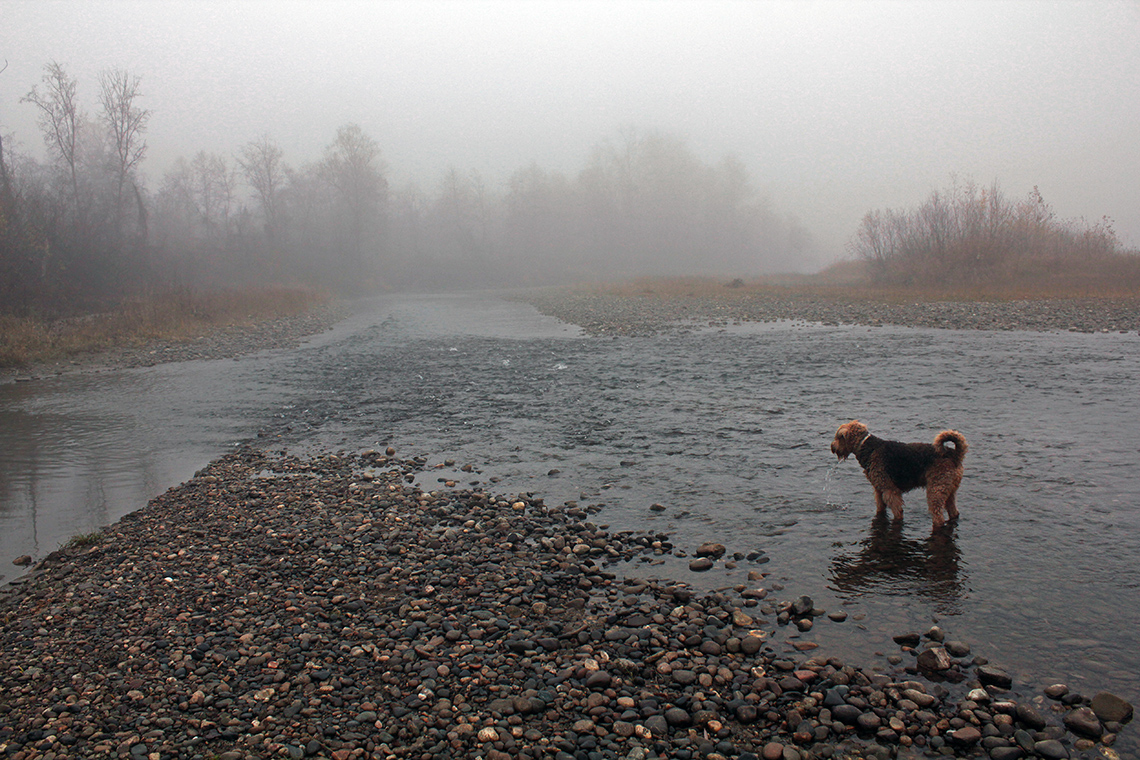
[{"x": 906, "y": 463}]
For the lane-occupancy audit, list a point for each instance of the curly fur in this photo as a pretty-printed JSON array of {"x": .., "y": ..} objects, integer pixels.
[{"x": 893, "y": 468}]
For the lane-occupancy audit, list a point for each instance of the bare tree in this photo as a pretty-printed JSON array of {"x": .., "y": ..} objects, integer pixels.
[
  {"x": 5, "y": 182},
  {"x": 126, "y": 123},
  {"x": 353, "y": 167},
  {"x": 264, "y": 171},
  {"x": 60, "y": 120},
  {"x": 212, "y": 185}
]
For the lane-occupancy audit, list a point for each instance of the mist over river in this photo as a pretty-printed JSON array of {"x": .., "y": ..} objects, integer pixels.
[{"x": 727, "y": 429}]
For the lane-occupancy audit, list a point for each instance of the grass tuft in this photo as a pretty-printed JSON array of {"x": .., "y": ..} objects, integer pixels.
[{"x": 84, "y": 540}]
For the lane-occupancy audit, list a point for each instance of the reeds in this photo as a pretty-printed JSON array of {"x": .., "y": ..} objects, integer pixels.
[{"x": 179, "y": 315}]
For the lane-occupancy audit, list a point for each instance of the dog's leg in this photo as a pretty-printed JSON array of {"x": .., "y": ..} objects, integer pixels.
[
  {"x": 893, "y": 499},
  {"x": 936, "y": 499},
  {"x": 880, "y": 505},
  {"x": 952, "y": 505}
]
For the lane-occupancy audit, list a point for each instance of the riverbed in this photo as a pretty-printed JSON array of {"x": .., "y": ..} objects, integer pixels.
[{"x": 718, "y": 434}]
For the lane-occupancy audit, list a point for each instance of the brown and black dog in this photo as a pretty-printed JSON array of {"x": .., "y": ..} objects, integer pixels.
[{"x": 895, "y": 468}]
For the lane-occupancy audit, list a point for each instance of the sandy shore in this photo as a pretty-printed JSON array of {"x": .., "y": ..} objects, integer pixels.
[{"x": 328, "y": 607}]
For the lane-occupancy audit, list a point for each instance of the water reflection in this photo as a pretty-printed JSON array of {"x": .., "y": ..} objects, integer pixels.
[{"x": 887, "y": 562}]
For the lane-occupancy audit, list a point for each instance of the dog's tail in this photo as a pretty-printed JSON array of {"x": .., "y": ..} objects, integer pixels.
[{"x": 956, "y": 453}]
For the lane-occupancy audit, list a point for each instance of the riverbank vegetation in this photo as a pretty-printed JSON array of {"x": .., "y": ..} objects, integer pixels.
[
  {"x": 181, "y": 315},
  {"x": 967, "y": 239}
]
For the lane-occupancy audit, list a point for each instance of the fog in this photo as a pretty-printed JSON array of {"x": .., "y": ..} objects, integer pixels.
[{"x": 830, "y": 108}]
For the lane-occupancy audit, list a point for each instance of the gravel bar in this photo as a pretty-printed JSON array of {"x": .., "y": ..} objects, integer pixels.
[
  {"x": 274, "y": 606},
  {"x": 601, "y": 313}
]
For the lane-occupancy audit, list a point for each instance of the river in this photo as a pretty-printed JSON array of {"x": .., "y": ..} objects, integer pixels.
[{"x": 727, "y": 429}]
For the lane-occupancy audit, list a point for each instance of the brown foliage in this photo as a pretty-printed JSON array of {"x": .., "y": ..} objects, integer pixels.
[
  {"x": 968, "y": 238},
  {"x": 174, "y": 315}
]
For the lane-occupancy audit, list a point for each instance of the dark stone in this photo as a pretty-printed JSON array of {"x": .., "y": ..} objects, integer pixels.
[
  {"x": 599, "y": 679},
  {"x": 1051, "y": 749},
  {"x": 675, "y": 716},
  {"x": 992, "y": 676},
  {"x": 967, "y": 736},
  {"x": 1006, "y": 753},
  {"x": 802, "y": 606},
  {"x": 1109, "y": 707},
  {"x": 846, "y": 713},
  {"x": 934, "y": 659},
  {"x": 710, "y": 549},
  {"x": 1028, "y": 715},
  {"x": 1083, "y": 721},
  {"x": 751, "y": 644},
  {"x": 908, "y": 639}
]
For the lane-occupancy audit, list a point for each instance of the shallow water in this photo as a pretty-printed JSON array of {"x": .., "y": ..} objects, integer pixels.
[{"x": 729, "y": 430}]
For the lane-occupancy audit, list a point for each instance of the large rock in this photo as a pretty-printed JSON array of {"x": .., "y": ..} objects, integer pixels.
[
  {"x": 709, "y": 549},
  {"x": 1083, "y": 722},
  {"x": 1109, "y": 707},
  {"x": 934, "y": 659},
  {"x": 992, "y": 676},
  {"x": 802, "y": 606},
  {"x": 1051, "y": 749},
  {"x": 1028, "y": 715},
  {"x": 675, "y": 716},
  {"x": 908, "y": 639},
  {"x": 966, "y": 736}
]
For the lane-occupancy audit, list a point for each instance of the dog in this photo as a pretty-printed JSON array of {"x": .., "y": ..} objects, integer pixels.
[{"x": 893, "y": 468}]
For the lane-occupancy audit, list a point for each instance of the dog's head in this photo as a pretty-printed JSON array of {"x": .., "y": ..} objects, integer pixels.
[{"x": 847, "y": 439}]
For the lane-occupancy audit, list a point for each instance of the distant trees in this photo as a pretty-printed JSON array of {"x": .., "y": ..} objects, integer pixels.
[
  {"x": 81, "y": 227},
  {"x": 964, "y": 234}
]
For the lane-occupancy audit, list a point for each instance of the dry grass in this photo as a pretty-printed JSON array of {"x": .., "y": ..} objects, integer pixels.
[{"x": 175, "y": 315}]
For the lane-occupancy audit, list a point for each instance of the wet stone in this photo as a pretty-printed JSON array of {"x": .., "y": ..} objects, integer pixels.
[
  {"x": 1084, "y": 722},
  {"x": 935, "y": 658},
  {"x": 1111, "y": 708},
  {"x": 1028, "y": 716},
  {"x": 992, "y": 676},
  {"x": 676, "y": 716},
  {"x": 908, "y": 639},
  {"x": 1051, "y": 749}
]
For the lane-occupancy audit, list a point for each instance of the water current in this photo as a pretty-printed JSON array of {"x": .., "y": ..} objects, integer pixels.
[{"x": 728, "y": 429}]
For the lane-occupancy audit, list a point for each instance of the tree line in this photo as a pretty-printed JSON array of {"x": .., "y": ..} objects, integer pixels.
[{"x": 83, "y": 226}]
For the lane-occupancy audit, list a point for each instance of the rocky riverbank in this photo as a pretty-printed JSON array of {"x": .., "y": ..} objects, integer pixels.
[
  {"x": 329, "y": 607},
  {"x": 601, "y": 312},
  {"x": 223, "y": 343}
]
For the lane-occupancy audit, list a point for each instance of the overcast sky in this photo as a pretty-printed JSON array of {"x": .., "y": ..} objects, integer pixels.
[{"x": 835, "y": 107}]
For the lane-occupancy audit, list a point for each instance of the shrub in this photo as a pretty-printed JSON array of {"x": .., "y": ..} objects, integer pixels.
[{"x": 966, "y": 236}]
